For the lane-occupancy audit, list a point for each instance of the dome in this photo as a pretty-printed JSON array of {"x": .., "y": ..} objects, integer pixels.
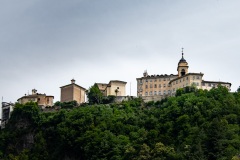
[{"x": 182, "y": 59}]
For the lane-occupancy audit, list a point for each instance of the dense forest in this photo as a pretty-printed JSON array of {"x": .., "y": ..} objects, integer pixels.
[{"x": 193, "y": 125}]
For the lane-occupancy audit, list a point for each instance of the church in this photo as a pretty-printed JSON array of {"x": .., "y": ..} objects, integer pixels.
[{"x": 157, "y": 87}]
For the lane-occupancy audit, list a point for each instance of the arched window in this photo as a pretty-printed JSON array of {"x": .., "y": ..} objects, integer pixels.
[{"x": 183, "y": 72}]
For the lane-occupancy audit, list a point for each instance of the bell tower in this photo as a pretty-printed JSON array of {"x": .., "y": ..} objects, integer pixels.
[{"x": 182, "y": 66}]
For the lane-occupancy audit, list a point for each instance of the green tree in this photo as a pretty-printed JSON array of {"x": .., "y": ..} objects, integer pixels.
[{"x": 94, "y": 95}]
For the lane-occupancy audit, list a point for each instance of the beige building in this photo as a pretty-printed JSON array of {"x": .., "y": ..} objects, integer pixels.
[
  {"x": 42, "y": 99},
  {"x": 114, "y": 87},
  {"x": 156, "y": 87},
  {"x": 73, "y": 92}
]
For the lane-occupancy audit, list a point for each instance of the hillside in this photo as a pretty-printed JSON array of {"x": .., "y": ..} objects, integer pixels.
[{"x": 194, "y": 125}]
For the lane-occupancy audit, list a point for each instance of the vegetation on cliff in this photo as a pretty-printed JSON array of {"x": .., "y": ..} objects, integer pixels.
[{"x": 194, "y": 125}]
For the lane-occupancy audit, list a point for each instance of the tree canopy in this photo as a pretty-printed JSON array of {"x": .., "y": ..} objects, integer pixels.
[
  {"x": 94, "y": 95},
  {"x": 195, "y": 125}
]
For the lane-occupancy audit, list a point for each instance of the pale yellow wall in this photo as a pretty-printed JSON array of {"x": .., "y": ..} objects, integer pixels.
[
  {"x": 154, "y": 86},
  {"x": 41, "y": 99},
  {"x": 78, "y": 94},
  {"x": 211, "y": 85},
  {"x": 72, "y": 92},
  {"x": 66, "y": 93},
  {"x": 186, "y": 80},
  {"x": 182, "y": 65},
  {"x": 114, "y": 85}
]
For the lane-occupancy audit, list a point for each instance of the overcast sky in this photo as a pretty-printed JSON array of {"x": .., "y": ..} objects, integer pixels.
[{"x": 46, "y": 43}]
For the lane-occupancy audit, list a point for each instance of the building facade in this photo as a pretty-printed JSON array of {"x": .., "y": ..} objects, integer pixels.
[
  {"x": 7, "y": 109},
  {"x": 114, "y": 87},
  {"x": 73, "y": 92},
  {"x": 157, "y": 87},
  {"x": 42, "y": 100}
]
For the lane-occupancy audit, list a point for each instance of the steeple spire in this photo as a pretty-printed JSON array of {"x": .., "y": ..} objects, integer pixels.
[{"x": 182, "y": 52}]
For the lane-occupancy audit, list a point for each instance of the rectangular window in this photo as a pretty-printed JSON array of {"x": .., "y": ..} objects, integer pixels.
[
  {"x": 150, "y": 80},
  {"x": 159, "y": 79},
  {"x": 160, "y": 86},
  {"x": 150, "y": 93},
  {"x": 203, "y": 84},
  {"x": 155, "y": 85},
  {"x": 150, "y": 85},
  {"x": 159, "y": 92},
  {"x": 146, "y": 86},
  {"x": 155, "y": 80},
  {"x": 164, "y": 79},
  {"x": 155, "y": 92},
  {"x": 197, "y": 77},
  {"x": 164, "y": 85},
  {"x": 209, "y": 84},
  {"x": 187, "y": 78},
  {"x": 146, "y": 93}
]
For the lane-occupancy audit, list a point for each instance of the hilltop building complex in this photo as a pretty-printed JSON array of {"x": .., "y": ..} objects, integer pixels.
[
  {"x": 157, "y": 87},
  {"x": 42, "y": 100}
]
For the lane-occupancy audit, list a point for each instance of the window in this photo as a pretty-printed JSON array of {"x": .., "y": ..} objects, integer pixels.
[
  {"x": 169, "y": 79},
  {"x": 140, "y": 81},
  {"x": 169, "y": 92},
  {"x": 155, "y": 80},
  {"x": 150, "y": 80},
  {"x": 146, "y": 93},
  {"x": 183, "y": 72},
  {"x": 169, "y": 85},
  {"x": 180, "y": 80},
  {"x": 159, "y": 92},
  {"x": 150, "y": 93},
  {"x": 183, "y": 79},
  {"x": 203, "y": 84},
  {"x": 197, "y": 77},
  {"x": 159, "y": 79},
  {"x": 197, "y": 84},
  {"x": 160, "y": 86},
  {"x": 164, "y": 79},
  {"x": 193, "y": 77},
  {"x": 164, "y": 85},
  {"x": 164, "y": 92},
  {"x": 155, "y": 92},
  {"x": 146, "y": 80},
  {"x": 150, "y": 85},
  {"x": 186, "y": 78},
  {"x": 209, "y": 84},
  {"x": 176, "y": 81},
  {"x": 155, "y": 85}
]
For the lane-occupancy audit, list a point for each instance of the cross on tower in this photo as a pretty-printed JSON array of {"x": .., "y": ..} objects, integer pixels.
[{"x": 182, "y": 51}]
